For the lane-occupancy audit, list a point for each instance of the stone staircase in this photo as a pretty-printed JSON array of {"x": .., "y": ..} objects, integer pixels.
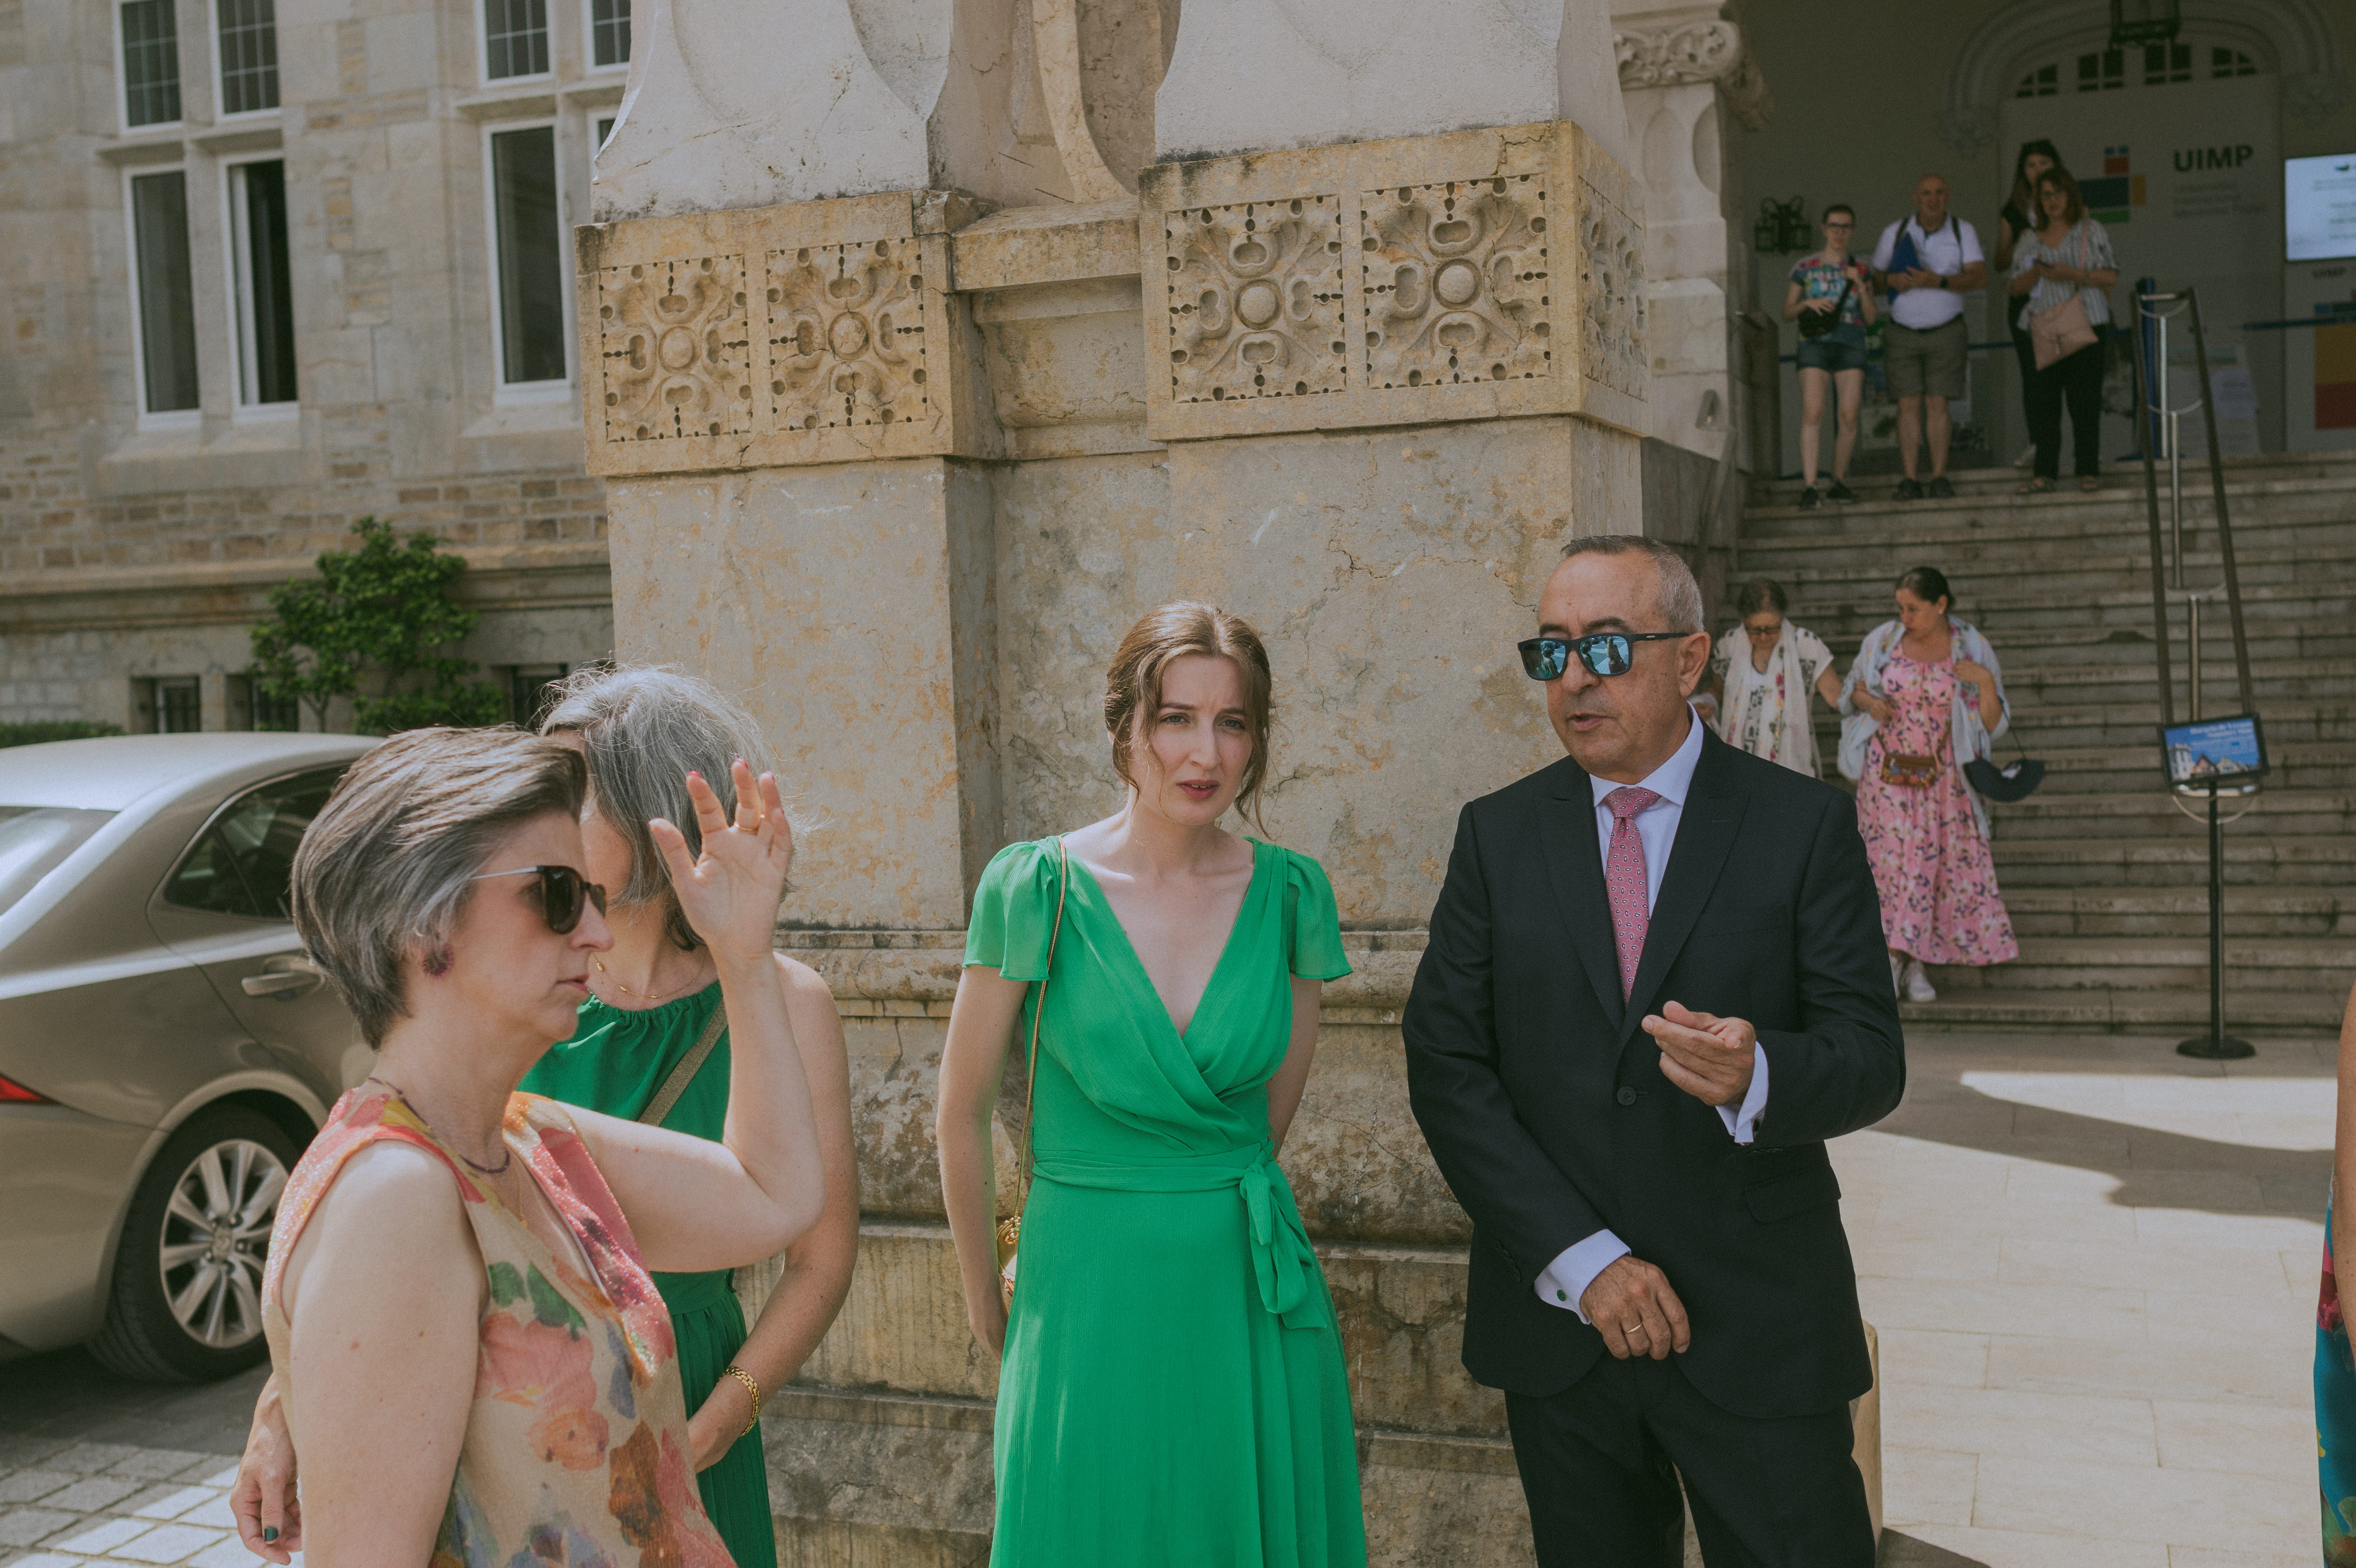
[{"x": 2106, "y": 879}]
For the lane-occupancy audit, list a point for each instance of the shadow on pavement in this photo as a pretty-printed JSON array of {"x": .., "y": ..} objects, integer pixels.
[
  {"x": 1905, "y": 1551},
  {"x": 66, "y": 1396}
]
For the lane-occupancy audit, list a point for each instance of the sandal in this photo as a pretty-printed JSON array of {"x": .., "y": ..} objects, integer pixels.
[
  {"x": 2090, "y": 485},
  {"x": 2035, "y": 487}
]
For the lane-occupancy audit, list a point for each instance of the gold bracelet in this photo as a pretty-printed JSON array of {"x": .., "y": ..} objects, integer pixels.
[{"x": 741, "y": 1376}]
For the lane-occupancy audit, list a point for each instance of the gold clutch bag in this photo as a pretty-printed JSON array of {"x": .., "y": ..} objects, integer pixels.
[{"x": 1009, "y": 1227}]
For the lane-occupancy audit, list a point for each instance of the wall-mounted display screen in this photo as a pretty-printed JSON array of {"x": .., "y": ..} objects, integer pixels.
[{"x": 2319, "y": 208}]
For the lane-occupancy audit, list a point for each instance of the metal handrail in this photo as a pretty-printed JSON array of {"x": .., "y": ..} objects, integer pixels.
[{"x": 2150, "y": 414}]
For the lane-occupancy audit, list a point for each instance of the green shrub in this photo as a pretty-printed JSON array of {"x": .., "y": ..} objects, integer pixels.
[{"x": 40, "y": 729}]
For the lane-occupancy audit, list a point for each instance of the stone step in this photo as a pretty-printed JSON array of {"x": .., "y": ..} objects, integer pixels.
[
  {"x": 2179, "y": 912},
  {"x": 2114, "y": 528},
  {"x": 2256, "y": 474},
  {"x": 1990, "y": 587},
  {"x": 2317, "y": 765},
  {"x": 2106, "y": 1009},
  {"x": 2270, "y": 965},
  {"x": 2152, "y": 814},
  {"x": 1834, "y": 616},
  {"x": 2257, "y": 860}
]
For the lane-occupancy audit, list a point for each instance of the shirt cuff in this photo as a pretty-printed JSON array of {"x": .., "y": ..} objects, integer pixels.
[
  {"x": 1566, "y": 1278},
  {"x": 1744, "y": 1123}
]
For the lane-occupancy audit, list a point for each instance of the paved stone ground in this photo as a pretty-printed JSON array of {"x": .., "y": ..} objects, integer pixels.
[{"x": 2092, "y": 1264}]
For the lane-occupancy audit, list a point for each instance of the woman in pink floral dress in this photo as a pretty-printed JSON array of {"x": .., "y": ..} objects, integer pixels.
[{"x": 1925, "y": 697}]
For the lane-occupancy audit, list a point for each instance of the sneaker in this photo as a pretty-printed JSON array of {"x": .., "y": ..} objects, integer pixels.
[
  {"x": 1917, "y": 985},
  {"x": 1910, "y": 490},
  {"x": 1941, "y": 490},
  {"x": 1809, "y": 499},
  {"x": 1840, "y": 492}
]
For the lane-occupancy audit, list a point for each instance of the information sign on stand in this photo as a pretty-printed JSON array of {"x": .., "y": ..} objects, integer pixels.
[{"x": 2215, "y": 757}]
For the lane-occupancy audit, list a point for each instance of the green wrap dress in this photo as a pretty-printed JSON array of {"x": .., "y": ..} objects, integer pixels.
[
  {"x": 614, "y": 1062},
  {"x": 1172, "y": 1391}
]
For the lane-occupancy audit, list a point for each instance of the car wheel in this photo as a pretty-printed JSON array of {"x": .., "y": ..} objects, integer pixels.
[{"x": 186, "y": 1302}]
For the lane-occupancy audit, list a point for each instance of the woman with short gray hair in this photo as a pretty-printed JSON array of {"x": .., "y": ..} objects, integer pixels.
[{"x": 466, "y": 1344}]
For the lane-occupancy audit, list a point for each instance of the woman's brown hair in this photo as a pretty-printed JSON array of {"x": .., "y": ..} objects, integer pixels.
[
  {"x": 1133, "y": 684},
  {"x": 2062, "y": 180}
]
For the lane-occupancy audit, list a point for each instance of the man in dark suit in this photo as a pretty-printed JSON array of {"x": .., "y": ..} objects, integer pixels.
[{"x": 1656, "y": 984}]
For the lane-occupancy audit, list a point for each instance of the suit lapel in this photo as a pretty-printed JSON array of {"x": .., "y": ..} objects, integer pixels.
[
  {"x": 1706, "y": 834},
  {"x": 1575, "y": 871}
]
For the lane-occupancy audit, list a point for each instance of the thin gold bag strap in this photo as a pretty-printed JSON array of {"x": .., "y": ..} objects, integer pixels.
[
  {"x": 1031, "y": 1082},
  {"x": 689, "y": 1066}
]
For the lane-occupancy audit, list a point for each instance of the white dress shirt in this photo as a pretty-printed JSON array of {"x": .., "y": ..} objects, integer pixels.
[
  {"x": 1566, "y": 1279},
  {"x": 1947, "y": 250}
]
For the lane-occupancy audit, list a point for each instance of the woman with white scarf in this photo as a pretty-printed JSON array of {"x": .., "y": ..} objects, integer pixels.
[
  {"x": 1760, "y": 677},
  {"x": 1925, "y": 697}
]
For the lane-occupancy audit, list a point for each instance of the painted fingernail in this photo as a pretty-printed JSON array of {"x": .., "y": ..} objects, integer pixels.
[{"x": 268, "y": 1533}]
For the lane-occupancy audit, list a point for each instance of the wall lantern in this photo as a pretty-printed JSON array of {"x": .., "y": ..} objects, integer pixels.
[
  {"x": 2144, "y": 22},
  {"x": 1783, "y": 227}
]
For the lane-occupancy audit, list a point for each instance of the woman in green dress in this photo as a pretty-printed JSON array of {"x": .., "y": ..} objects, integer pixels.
[
  {"x": 653, "y": 995},
  {"x": 1172, "y": 1390}
]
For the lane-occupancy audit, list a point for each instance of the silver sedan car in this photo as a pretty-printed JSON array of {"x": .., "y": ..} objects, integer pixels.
[{"x": 165, "y": 1051}]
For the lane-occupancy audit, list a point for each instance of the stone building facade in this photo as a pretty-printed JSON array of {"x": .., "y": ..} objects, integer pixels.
[{"x": 256, "y": 288}]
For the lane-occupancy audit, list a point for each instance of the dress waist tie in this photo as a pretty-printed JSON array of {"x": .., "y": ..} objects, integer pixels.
[{"x": 1283, "y": 1262}]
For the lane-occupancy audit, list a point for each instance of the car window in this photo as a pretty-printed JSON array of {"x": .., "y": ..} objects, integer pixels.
[
  {"x": 34, "y": 839},
  {"x": 243, "y": 863}
]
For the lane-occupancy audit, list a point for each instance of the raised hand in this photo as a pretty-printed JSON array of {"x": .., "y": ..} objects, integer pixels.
[
  {"x": 1710, "y": 1058},
  {"x": 730, "y": 892}
]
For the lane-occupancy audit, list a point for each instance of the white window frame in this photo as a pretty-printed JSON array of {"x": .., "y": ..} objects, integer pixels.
[
  {"x": 507, "y": 393},
  {"x": 221, "y": 72},
  {"x": 483, "y": 52},
  {"x": 589, "y": 66},
  {"x": 169, "y": 419},
  {"x": 241, "y": 319},
  {"x": 610, "y": 116},
  {"x": 122, "y": 80}
]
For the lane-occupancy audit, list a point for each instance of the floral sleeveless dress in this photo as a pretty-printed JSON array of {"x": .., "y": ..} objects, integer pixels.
[{"x": 576, "y": 1450}]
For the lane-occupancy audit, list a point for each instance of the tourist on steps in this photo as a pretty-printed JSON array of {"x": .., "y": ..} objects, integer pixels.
[
  {"x": 1925, "y": 697},
  {"x": 1171, "y": 1384},
  {"x": 1929, "y": 261},
  {"x": 471, "y": 1356},
  {"x": 1760, "y": 677},
  {"x": 1832, "y": 298},
  {"x": 639, "y": 1051},
  {"x": 2065, "y": 271},
  {"x": 2016, "y": 219}
]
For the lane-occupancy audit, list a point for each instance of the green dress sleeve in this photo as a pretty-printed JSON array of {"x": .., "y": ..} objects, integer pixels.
[
  {"x": 1014, "y": 912},
  {"x": 1313, "y": 925}
]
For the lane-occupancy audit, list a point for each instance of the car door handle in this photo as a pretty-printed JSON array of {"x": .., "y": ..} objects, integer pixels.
[{"x": 284, "y": 979}]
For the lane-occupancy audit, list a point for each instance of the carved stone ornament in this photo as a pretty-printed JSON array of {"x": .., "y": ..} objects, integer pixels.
[
  {"x": 1455, "y": 282},
  {"x": 1255, "y": 300},
  {"x": 674, "y": 348},
  {"x": 1671, "y": 56},
  {"x": 847, "y": 334},
  {"x": 812, "y": 332},
  {"x": 1475, "y": 274}
]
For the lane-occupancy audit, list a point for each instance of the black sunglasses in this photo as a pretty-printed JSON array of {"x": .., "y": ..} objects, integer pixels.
[
  {"x": 1605, "y": 653},
  {"x": 563, "y": 892}
]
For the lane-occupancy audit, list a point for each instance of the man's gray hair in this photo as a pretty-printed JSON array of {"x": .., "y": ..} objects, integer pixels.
[
  {"x": 1680, "y": 600},
  {"x": 643, "y": 730},
  {"x": 387, "y": 861}
]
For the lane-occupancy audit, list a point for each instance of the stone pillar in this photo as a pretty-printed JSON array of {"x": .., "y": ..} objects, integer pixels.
[
  {"x": 1685, "y": 73},
  {"x": 925, "y": 346}
]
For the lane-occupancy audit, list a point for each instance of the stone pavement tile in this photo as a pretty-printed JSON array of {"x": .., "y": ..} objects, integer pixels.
[
  {"x": 2166, "y": 1507},
  {"x": 31, "y": 1486},
  {"x": 156, "y": 1464},
  {"x": 1911, "y": 1254},
  {"x": 24, "y": 1526},
  {"x": 2237, "y": 1310},
  {"x": 1927, "y": 1485},
  {"x": 2206, "y": 1557},
  {"x": 174, "y": 1504},
  {"x": 92, "y": 1493},
  {"x": 215, "y": 1514},
  {"x": 2021, "y": 1549},
  {"x": 1927, "y": 1356},
  {"x": 2135, "y": 1369},
  {"x": 218, "y": 1476},
  {"x": 2059, "y": 1429},
  {"x": 43, "y": 1559},
  {"x": 2253, "y": 1439},
  {"x": 2235, "y": 1192},
  {"x": 232, "y": 1554},
  {"x": 168, "y": 1543},
  {"x": 18, "y": 1450},
  {"x": 90, "y": 1459},
  {"x": 2176, "y": 1264},
  {"x": 2197, "y": 1224},
  {"x": 2054, "y": 1311},
  {"x": 103, "y": 1536}
]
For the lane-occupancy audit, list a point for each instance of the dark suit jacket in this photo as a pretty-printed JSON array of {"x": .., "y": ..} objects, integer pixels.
[{"x": 1544, "y": 1103}]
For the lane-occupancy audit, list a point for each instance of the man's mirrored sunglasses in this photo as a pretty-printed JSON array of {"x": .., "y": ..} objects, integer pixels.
[{"x": 1605, "y": 653}]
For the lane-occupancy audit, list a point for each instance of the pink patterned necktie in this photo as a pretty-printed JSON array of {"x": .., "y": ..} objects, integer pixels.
[{"x": 1623, "y": 878}]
